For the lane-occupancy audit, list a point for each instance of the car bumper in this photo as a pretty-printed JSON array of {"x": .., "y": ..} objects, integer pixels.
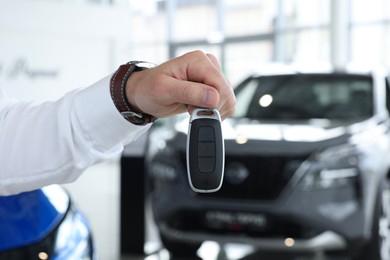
[
  {"x": 327, "y": 240},
  {"x": 300, "y": 219}
]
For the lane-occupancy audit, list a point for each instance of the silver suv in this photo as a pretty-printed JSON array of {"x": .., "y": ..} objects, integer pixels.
[{"x": 306, "y": 168}]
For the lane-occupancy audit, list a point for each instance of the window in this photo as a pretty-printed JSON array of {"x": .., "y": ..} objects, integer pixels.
[
  {"x": 193, "y": 21},
  {"x": 246, "y": 34},
  {"x": 370, "y": 28},
  {"x": 307, "y": 96},
  {"x": 249, "y": 17}
]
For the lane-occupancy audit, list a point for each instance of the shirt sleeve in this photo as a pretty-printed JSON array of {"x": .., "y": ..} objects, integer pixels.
[{"x": 54, "y": 142}]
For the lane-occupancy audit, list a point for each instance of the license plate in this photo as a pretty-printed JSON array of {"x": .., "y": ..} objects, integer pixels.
[{"x": 235, "y": 220}]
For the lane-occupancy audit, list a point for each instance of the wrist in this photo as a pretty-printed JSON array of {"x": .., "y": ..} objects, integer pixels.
[
  {"x": 131, "y": 91},
  {"x": 119, "y": 89}
]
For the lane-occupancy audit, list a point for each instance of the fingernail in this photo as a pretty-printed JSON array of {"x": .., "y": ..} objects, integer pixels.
[{"x": 206, "y": 99}]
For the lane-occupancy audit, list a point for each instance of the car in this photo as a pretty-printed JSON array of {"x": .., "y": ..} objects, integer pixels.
[
  {"x": 307, "y": 163},
  {"x": 44, "y": 224}
]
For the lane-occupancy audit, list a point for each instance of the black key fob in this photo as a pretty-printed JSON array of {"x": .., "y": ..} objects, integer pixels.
[{"x": 205, "y": 151}]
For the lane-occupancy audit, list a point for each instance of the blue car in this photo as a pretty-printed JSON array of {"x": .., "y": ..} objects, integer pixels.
[{"x": 43, "y": 224}]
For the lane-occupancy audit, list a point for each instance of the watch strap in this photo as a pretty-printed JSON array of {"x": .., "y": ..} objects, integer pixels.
[{"x": 118, "y": 93}]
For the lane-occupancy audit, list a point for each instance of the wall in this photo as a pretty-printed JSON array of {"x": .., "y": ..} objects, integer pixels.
[{"x": 47, "y": 49}]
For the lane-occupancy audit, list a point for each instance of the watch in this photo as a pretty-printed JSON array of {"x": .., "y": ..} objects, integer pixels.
[{"x": 118, "y": 92}]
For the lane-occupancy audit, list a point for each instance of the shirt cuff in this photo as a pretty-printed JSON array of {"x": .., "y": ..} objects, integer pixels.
[{"x": 100, "y": 119}]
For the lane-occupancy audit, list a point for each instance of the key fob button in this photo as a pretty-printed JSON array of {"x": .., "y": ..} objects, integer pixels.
[
  {"x": 206, "y": 133},
  {"x": 206, "y": 149},
  {"x": 206, "y": 165}
]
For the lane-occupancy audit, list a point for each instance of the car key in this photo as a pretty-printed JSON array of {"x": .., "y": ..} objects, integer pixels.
[{"x": 205, "y": 151}]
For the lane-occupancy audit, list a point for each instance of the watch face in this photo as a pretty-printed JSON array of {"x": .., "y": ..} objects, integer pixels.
[
  {"x": 143, "y": 64},
  {"x": 138, "y": 118},
  {"x": 135, "y": 118}
]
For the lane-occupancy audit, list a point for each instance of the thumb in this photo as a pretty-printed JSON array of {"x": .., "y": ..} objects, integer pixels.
[{"x": 195, "y": 94}]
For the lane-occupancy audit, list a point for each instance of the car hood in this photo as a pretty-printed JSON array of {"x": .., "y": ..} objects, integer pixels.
[
  {"x": 29, "y": 217},
  {"x": 287, "y": 137}
]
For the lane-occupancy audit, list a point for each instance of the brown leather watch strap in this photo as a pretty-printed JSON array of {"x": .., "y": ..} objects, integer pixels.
[{"x": 118, "y": 94}]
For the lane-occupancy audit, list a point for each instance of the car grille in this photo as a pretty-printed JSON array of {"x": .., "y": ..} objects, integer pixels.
[
  {"x": 274, "y": 227},
  {"x": 266, "y": 178}
]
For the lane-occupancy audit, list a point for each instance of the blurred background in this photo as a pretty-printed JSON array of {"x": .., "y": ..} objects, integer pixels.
[{"x": 48, "y": 47}]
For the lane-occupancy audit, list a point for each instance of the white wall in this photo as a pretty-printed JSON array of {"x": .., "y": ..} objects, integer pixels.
[
  {"x": 66, "y": 45},
  {"x": 47, "y": 49}
]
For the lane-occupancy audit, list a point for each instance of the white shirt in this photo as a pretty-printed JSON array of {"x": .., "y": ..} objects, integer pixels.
[{"x": 54, "y": 142}]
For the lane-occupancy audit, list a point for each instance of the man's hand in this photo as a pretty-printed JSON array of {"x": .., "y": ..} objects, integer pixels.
[{"x": 179, "y": 85}]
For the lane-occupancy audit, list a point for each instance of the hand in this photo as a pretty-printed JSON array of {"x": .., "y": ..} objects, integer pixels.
[{"x": 179, "y": 85}]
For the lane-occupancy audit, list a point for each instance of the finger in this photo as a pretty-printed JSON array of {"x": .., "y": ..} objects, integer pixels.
[
  {"x": 190, "y": 108},
  {"x": 227, "y": 95},
  {"x": 214, "y": 61},
  {"x": 227, "y": 101},
  {"x": 191, "y": 93},
  {"x": 227, "y": 112},
  {"x": 228, "y": 104},
  {"x": 205, "y": 69}
]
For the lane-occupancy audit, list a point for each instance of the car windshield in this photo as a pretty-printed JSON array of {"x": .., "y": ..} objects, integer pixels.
[{"x": 306, "y": 96}]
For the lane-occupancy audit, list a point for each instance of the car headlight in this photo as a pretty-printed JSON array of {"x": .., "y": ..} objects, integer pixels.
[
  {"x": 73, "y": 238},
  {"x": 334, "y": 167}
]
